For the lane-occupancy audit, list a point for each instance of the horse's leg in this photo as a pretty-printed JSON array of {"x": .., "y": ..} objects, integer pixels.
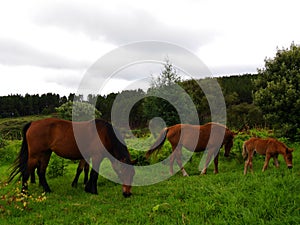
[
  {"x": 268, "y": 157},
  {"x": 86, "y": 172},
  {"x": 44, "y": 161},
  {"x": 178, "y": 155},
  {"x": 172, "y": 162},
  {"x": 32, "y": 177},
  {"x": 276, "y": 163},
  {"x": 248, "y": 162},
  {"x": 91, "y": 185},
  {"x": 216, "y": 161},
  {"x": 31, "y": 165},
  {"x": 207, "y": 161},
  {"x": 78, "y": 172}
]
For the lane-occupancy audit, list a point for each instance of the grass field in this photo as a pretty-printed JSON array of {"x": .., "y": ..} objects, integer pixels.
[{"x": 272, "y": 197}]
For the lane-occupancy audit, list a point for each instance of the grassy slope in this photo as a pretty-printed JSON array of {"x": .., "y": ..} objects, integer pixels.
[{"x": 271, "y": 197}]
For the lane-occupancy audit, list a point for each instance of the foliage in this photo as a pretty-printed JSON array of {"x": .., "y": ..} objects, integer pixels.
[
  {"x": 166, "y": 99},
  {"x": 78, "y": 111},
  {"x": 241, "y": 85},
  {"x": 17, "y": 105},
  {"x": 9, "y": 151},
  {"x": 278, "y": 91},
  {"x": 244, "y": 114},
  {"x": 11, "y": 128},
  {"x": 168, "y": 76},
  {"x": 3, "y": 142},
  {"x": 127, "y": 109},
  {"x": 57, "y": 166}
]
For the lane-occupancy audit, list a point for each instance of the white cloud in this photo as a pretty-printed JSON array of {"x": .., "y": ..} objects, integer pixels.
[
  {"x": 47, "y": 46},
  {"x": 16, "y": 53},
  {"x": 121, "y": 25}
]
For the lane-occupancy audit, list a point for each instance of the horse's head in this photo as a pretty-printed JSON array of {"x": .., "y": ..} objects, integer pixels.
[
  {"x": 125, "y": 172},
  {"x": 289, "y": 158}
]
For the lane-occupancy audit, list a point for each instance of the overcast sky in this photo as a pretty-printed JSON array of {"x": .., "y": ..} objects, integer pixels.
[{"x": 47, "y": 46}]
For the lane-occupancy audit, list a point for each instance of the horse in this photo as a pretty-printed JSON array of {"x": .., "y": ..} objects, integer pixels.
[
  {"x": 97, "y": 138},
  {"x": 269, "y": 147},
  {"x": 195, "y": 138},
  {"x": 82, "y": 165}
]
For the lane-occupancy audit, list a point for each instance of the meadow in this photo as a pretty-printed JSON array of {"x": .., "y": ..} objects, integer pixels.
[{"x": 270, "y": 197}]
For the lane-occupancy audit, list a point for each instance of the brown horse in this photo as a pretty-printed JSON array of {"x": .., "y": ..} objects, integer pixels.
[
  {"x": 82, "y": 165},
  {"x": 269, "y": 147},
  {"x": 97, "y": 140},
  {"x": 210, "y": 137}
]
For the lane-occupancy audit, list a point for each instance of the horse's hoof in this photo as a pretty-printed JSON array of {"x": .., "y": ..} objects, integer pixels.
[
  {"x": 91, "y": 190},
  {"x": 126, "y": 195}
]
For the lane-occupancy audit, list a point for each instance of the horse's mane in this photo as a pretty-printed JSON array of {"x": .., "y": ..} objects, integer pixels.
[{"x": 120, "y": 148}]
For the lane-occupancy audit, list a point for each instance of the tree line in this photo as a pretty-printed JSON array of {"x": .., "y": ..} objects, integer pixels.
[{"x": 237, "y": 92}]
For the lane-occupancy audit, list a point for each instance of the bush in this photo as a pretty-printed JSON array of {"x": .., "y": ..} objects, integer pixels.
[
  {"x": 9, "y": 151},
  {"x": 78, "y": 111},
  {"x": 57, "y": 166},
  {"x": 3, "y": 142}
]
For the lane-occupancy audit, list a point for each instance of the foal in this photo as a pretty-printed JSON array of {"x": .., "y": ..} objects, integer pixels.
[{"x": 269, "y": 147}]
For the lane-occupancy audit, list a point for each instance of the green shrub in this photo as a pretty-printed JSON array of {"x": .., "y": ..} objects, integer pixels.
[
  {"x": 3, "y": 142},
  {"x": 77, "y": 111},
  {"x": 10, "y": 151},
  {"x": 57, "y": 166}
]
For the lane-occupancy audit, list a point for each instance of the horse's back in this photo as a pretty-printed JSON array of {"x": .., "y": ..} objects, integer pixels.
[
  {"x": 264, "y": 145},
  {"x": 195, "y": 137},
  {"x": 55, "y": 135}
]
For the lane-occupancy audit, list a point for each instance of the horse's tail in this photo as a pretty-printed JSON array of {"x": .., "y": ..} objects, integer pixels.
[
  {"x": 20, "y": 164},
  {"x": 245, "y": 152},
  {"x": 158, "y": 143}
]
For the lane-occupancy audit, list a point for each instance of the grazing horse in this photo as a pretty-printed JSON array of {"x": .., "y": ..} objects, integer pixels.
[
  {"x": 211, "y": 136},
  {"x": 97, "y": 137},
  {"x": 82, "y": 165},
  {"x": 269, "y": 147}
]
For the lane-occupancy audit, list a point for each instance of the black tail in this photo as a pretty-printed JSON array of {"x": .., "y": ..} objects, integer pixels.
[
  {"x": 159, "y": 142},
  {"x": 20, "y": 164}
]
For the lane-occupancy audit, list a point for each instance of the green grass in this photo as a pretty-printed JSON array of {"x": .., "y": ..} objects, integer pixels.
[{"x": 272, "y": 197}]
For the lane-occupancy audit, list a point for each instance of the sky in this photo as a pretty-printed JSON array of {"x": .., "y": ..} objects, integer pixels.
[{"x": 49, "y": 46}]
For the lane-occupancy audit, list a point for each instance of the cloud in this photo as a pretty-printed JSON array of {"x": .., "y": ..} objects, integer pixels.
[
  {"x": 120, "y": 25},
  {"x": 16, "y": 53}
]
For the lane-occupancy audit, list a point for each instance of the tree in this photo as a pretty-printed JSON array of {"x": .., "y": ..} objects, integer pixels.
[
  {"x": 166, "y": 99},
  {"x": 168, "y": 77},
  {"x": 278, "y": 93},
  {"x": 78, "y": 111}
]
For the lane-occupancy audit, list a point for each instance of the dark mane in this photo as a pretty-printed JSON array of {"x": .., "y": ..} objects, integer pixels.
[{"x": 119, "y": 150}]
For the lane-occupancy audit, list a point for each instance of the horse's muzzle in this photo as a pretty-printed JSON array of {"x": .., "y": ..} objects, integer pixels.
[
  {"x": 126, "y": 195},
  {"x": 290, "y": 166}
]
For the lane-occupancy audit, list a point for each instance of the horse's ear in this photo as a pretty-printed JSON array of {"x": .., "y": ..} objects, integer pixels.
[{"x": 289, "y": 150}]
